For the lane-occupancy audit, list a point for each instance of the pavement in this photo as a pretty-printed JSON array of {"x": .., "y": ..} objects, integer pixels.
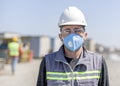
[
  {"x": 27, "y": 73},
  {"x": 114, "y": 72}
]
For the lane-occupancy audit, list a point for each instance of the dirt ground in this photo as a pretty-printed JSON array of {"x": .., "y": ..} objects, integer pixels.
[{"x": 114, "y": 72}]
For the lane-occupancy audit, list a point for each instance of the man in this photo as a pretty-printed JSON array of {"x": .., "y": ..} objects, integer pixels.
[
  {"x": 14, "y": 52},
  {"x": 73, "y": 65}
]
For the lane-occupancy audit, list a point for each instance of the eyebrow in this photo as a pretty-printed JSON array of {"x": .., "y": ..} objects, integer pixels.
[
  {"x": 63, "y": 26},
  {"x": 67, "y": 28}
]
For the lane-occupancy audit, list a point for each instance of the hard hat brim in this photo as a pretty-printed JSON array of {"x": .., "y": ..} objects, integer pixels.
[{"x": 72, "y": 23}]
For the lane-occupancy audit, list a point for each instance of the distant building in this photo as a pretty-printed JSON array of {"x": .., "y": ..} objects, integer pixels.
[
  {"x": 41, "y": 45},
  {"x": 90, "y": 45},
  {"x": 56, "y": 43},
  {"x": 8, "y": 35}
]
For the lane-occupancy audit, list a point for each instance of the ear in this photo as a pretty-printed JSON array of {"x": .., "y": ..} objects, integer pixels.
[
  {"x": 60, "y": 36},
  {"x": 85, "y": 36}
]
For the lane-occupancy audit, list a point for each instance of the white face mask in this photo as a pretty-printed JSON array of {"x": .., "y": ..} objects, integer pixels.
[{"x": 73, "y": 42}]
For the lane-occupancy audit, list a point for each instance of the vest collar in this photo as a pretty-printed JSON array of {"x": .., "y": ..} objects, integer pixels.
[{"x": 60, "y": 55}]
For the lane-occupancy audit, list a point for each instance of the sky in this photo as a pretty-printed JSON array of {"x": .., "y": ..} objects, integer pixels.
[{"x": 40, "y": 17}]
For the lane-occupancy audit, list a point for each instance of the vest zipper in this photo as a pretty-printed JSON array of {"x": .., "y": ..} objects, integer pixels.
[{"x": 72, "y": 81}]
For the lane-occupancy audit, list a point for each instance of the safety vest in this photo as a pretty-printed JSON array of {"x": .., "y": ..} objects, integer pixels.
[
  {"x": 85, "y": 73},
  {"x": 13, "y": 49}
]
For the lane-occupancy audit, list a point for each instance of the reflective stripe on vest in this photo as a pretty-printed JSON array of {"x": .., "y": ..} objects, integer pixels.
[{"x": 73, "y": 75}]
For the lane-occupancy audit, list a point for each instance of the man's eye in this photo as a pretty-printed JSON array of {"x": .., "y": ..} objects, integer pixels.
[
  {"x": 81, "y": 31},
  {"x": 67, "y": 30}
]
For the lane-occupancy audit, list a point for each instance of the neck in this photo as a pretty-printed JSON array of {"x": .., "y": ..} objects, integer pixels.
[{"x": 71, "y": 54}]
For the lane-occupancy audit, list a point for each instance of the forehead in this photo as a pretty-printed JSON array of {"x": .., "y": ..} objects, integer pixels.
[{"x": 71, "y": 26}]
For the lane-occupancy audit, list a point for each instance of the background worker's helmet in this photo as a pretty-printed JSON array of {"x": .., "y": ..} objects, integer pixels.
[
  {"x": 72, "y": 16},
  {"x": 15, "y": 39}
]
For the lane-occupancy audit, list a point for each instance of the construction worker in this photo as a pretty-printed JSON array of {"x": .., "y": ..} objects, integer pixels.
[
  {"x": 14, "y": 52},
  {"x": 72, "y": 64}
]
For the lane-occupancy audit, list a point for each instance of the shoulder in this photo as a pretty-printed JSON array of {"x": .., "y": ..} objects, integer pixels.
[
  {"x": 94, "y": 54},
  {"x": 91, "y": 53},
  {"x": 96, "y": 57},
  {"x": 50, "y": 56}
]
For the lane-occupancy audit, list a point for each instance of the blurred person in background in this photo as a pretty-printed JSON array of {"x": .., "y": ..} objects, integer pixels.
[
  {"x": 14, "y": 51},
  {"x": 73, "y": 64}
]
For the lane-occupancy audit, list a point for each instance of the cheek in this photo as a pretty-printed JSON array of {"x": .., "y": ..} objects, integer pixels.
[{"x": 63, "y": 35}]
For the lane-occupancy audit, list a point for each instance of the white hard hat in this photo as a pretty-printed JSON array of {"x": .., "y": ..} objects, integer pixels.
[{"x": 72, "y": 16}]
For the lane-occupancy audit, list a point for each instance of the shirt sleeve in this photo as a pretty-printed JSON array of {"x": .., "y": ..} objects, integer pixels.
[
  {"x": 42, "y": 74},
  {"x": 104, "y": 79}
]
